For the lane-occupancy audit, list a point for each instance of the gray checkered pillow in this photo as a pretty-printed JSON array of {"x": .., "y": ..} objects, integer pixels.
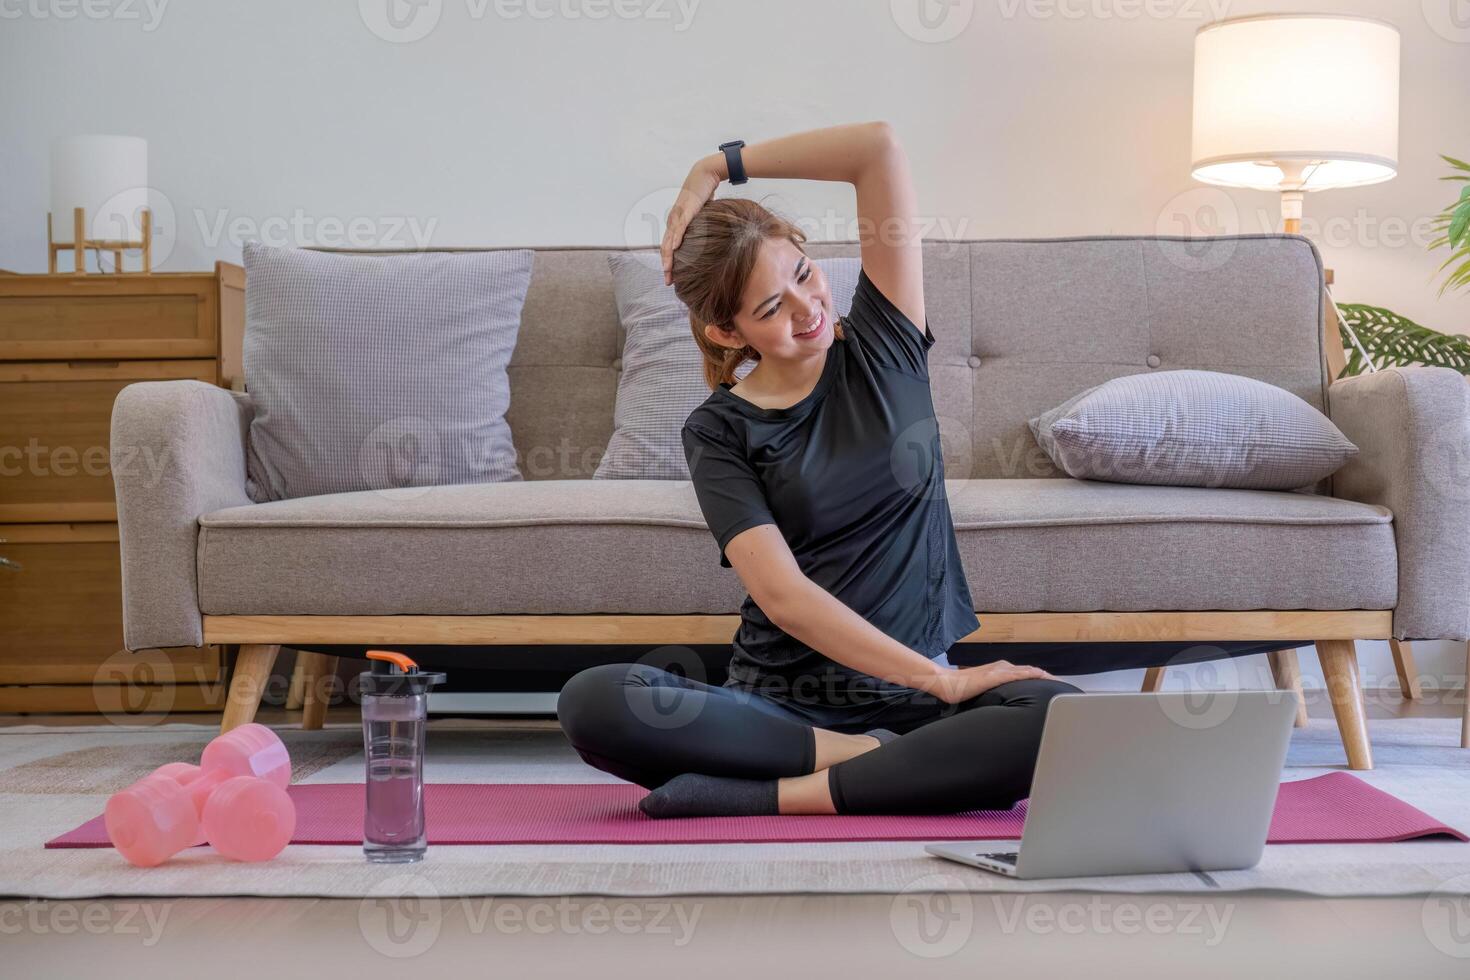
[
  {"x": 377, "y": 371},
  {"x": 1192, "y": 429},
  {"x": 662, "y": 380}
]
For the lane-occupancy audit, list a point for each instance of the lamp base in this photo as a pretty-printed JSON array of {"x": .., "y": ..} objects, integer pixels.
[{"x": 80, "y": 243}]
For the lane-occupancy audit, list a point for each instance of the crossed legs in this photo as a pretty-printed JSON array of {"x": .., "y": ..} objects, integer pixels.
[{"x": 647, "y": 725}]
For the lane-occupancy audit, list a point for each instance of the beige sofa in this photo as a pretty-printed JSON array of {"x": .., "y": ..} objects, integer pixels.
[{"x": 1382, "y": 551}]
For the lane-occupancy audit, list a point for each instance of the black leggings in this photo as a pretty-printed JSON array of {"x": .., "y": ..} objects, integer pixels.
[{"x": 647, "y": 725}]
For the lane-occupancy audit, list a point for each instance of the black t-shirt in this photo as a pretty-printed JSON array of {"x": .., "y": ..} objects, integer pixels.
[{"x": 853, "y": 477}]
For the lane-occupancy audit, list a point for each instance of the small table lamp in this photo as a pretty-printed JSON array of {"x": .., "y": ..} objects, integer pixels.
[
  {"x": 99, "y": 189},
  {"x": 1296, "y": 103}
]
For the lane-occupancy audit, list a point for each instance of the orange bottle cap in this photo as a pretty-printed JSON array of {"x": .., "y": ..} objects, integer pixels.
[{"x": 392, "y": 656}]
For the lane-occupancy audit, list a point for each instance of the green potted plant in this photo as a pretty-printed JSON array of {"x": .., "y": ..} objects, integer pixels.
[{"x": 1391, "y": 339}]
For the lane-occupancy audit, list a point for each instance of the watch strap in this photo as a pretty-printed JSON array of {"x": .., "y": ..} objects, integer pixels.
[{"x": 733, "y": 163}]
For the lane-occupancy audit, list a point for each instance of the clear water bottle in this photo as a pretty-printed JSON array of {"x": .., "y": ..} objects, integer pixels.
[{"x": 395, "y": 714}]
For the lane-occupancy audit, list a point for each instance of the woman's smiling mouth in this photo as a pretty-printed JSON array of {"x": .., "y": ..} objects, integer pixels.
[{"x": 816, "y": 330}]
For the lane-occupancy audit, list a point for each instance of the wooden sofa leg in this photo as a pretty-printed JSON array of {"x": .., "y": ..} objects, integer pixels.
[
  {"x": 247, "y": 685},
  {"x": 1288, "y": 674},
  {"x": 294, "y": 697},
  {"x": 1465, "y": 719},
  {"x": 1340, "y": 671},
  {"x": 317, "y": 673},
  {"x": 1403, "y": 662},
  {"x": 1153, "y": 680}
]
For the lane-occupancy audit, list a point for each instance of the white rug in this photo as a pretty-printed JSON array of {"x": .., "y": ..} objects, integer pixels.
[{"x": 53, "y": 779}]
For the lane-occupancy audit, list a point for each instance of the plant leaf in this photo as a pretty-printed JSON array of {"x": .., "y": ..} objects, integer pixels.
[{"x": 1394, "y": 340}]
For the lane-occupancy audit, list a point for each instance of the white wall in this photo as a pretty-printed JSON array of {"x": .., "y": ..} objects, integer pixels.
[{"x": 539, "y": 122}]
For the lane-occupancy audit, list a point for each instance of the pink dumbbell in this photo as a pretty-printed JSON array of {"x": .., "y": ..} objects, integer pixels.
[{"x": 235, "y": 799}]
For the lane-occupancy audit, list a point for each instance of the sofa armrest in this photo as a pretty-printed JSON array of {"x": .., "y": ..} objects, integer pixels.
[
  {"x": 1412, "y": 428},
  {"x": 178, "y": 451}
]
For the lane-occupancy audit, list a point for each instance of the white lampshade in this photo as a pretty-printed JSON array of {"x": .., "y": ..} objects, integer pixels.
[
  {"x": 1296, "y": 101},
  {"x": 107, "y": 175}
]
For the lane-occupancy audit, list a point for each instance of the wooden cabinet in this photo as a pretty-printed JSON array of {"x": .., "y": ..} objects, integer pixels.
[{"x": 68, "y": 345}]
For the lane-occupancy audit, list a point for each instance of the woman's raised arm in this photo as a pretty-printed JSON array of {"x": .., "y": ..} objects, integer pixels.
[{"x": 866, "y": 155}]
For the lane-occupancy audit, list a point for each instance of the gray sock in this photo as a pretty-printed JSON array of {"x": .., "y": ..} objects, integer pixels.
[
  {"x": 694, "y": 794},
  {"x": 883, "y": 735}
]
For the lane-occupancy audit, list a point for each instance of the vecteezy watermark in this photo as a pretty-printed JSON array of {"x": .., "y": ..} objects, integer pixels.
[
  {"x": 563, "y": 461},
  {"x": 39, "y": 460},
  {"x": 1205, "y": 216},
  {"x": 1105, "y": 915},
  {"x": 147, "y": 13},
  {"x": 128, "y": 685},
  {"x": 403, "y": 454},
  {"x": 937, "y": 21},
  {"x": 1445, "y": 917},
  {"x": 918, "y": 461},
  {"x": 668, "y": 707},
  {"x": 403, "y": 916},
  {"x": 831, "y": 225},
  {"x": 138, "y": 687},
  {"x": 409, "y": 455},
  {"x": 325, "y": 231},
  {"x": 933, "y": 916},
  {"x": 1196, "y": 10},
  {"x": 648, "y": 217},
  {"x": 1450, "y": 19},
  {"x": 406, "y": 21},
  {"x": 94, "y": 917},
  {"x": 1208, "y": 218},
  {"x": 932, "y": 21},
  {"x": 119, "y": 218},
  {"x": 1207, "y": 694},
  {"x": 1018, "y": 457}
]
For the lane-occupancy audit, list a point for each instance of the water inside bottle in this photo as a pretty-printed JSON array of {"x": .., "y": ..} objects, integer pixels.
[{"x": 393, "y": 824}]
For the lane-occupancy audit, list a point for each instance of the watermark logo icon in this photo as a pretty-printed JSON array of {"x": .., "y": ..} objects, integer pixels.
[
  {"x": 1450, "y": 19},
  {"x": 932, "y": 21},
  {"x": 400, "y": 21},
  {"x": 401, "y": 916},
  {"x": 400, "y": 453},
  {"x": 1198, "y": 213},
  {"x": 1210, "y": 690},
  {"x": 1445, "y": 917},
  {"x": 933, "y": 917}
]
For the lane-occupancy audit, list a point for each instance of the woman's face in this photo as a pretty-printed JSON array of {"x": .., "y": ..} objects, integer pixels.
[{"x": 786, "y": 312}]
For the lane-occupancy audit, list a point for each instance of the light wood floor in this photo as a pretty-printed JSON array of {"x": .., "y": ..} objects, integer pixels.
[{"x": 712, "y": 937}]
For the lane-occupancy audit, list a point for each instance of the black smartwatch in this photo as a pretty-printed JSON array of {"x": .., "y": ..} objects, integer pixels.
[{"x": 733, "y": 162}]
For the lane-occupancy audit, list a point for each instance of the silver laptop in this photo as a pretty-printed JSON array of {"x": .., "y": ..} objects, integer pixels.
[{"x": 1147, "y": 783}]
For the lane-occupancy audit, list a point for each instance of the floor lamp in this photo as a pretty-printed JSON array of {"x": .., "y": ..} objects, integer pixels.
[{"x": 1297, "y": 103}]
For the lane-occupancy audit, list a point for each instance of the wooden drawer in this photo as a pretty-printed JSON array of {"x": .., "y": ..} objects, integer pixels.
[
  {"x": 55, "y": 419},
  {"x": 73, "y": 317},
  {"x": 61, "y": 620}
]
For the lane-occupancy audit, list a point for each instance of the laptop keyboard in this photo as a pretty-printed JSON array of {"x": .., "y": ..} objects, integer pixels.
[{"x": 1006, "y": 857}]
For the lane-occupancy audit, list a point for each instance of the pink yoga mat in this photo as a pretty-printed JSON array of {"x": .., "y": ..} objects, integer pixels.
[{"x": 1330, "y": 809}]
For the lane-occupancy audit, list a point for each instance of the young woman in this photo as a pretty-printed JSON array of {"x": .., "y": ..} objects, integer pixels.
[{"x": 821, "y": 478}]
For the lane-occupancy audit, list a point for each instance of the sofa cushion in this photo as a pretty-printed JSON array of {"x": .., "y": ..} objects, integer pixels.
[
  {"x": 1192, "y": 429},
  {"x": 373, "y": 371},
  {"x": 661, "y": 379},
  {"x": 598, "y": 546}
]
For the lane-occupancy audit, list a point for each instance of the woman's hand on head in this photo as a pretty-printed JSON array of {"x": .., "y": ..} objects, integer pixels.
[
  {"x": 963, "y": 683},
  {"x": 698, "y": 188}
]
